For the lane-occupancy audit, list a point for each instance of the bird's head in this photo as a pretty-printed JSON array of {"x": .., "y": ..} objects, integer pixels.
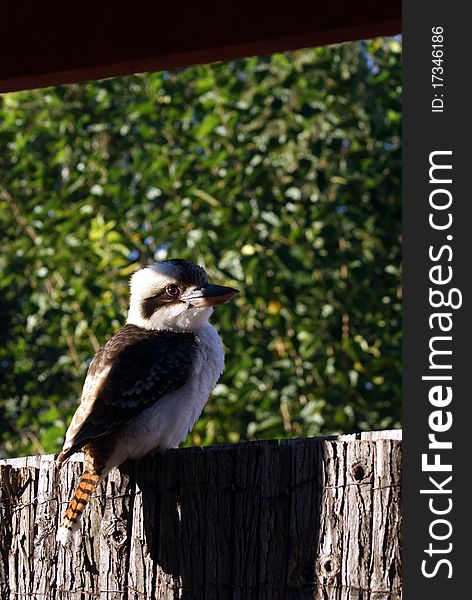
[{"x": 174, "y": 294}]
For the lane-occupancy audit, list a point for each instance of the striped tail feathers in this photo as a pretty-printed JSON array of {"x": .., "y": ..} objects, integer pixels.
[{"x": 88, "y": 482}]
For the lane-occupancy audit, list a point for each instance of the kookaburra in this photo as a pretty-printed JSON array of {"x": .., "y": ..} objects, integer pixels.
[{"x": 147, "y": 386}]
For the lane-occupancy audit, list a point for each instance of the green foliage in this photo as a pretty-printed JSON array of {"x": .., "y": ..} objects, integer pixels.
[{"x": 279, "y": 174}]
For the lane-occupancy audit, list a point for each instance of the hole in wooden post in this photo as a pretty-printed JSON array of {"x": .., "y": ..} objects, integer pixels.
[
  {"x": 359, "y": 473},
  {"x": 116, "y": 532},
  {"x": 360, "y": 470},
  {"x": 119, "y": 536},
  {"x": 328, "y": 565}
]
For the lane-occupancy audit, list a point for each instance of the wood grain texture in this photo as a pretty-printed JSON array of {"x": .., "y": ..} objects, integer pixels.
[{"x": 307, "y": 518}]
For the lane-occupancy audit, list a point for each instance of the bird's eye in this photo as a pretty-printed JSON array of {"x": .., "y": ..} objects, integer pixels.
[{"x": 172, "y": 290}]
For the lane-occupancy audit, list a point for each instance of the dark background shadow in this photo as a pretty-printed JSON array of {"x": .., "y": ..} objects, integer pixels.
[{"x": 233, "y": 521}]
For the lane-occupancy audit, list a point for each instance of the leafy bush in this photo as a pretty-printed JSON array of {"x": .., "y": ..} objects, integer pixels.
[{"x": 280, "y": 174}]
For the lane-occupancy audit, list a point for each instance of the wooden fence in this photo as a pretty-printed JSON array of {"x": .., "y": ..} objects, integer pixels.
[{"x": 308, "y": 518}]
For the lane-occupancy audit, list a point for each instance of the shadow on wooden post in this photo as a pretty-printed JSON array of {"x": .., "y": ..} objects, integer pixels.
[{"x": 308, "y": 518}]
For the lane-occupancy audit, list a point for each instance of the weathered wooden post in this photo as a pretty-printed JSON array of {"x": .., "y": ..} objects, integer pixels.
[{"x": 305, "y": 518}]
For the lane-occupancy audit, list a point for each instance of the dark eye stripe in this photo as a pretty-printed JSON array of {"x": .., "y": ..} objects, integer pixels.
[{"x": 151, "y": 304}]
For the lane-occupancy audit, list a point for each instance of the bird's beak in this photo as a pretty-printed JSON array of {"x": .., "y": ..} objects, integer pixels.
[{"x": 210, "y": 295}]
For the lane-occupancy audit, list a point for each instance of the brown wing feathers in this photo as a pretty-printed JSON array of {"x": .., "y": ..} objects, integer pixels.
[
  {"x": 129, "y": 374},
  {"x": 143, "y": 366}
]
